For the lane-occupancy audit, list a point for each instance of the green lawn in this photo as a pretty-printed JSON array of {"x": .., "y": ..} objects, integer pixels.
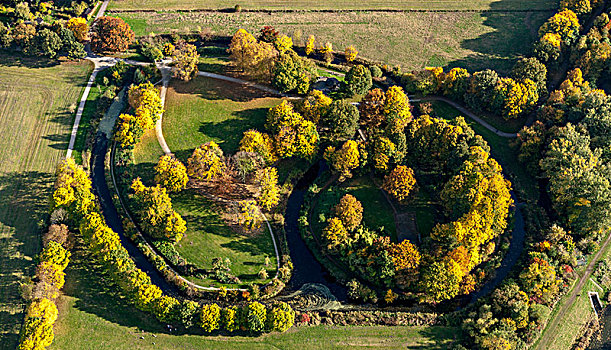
[
  {"x": 199, "y": 111},
  {"x": 208, "y": 237},
  {"x": 376, "y": 210},
  {"x": 334, "y": 5},
  {"x": 501, "y": 149},
  {"x": 93, "y": 317},
  {"x": 206, "y": 109},
  {"x": 473, "y": 40},
  {"x": 37, "y": 98}
]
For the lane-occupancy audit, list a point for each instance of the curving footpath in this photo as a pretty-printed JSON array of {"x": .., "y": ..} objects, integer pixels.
[
  {"x": 518, "y": 234},
  {"x": 166, "y": 75},
  {"x": 469, "y": 114}
]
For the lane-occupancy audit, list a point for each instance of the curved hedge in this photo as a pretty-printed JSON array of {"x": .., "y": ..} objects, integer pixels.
[{"x": 73, "y": 193}]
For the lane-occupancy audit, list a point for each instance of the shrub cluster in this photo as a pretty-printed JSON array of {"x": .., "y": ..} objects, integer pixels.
[
  {"x": 146, "y": 103},
  {"x": 44, "y": 40}
]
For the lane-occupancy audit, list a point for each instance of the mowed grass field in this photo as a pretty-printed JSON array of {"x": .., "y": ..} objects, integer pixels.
[
  {"x": 207, "y": 109},
  {"x": 208, "y": 237},
  {"x": 36, "y": 100},
  {"x": 333, "y": 5},
  {"x": 94, "y": 317},
  {"x": 473, "y": 40}
]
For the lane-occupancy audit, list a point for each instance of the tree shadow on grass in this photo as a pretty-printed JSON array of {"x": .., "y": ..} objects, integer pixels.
[
  {"x": 216, "y": 89},
  {"x": 97, "y": 294},
  {"x": 207, "y": 220},
  {"x": 230, "y": 131},
  {"x": 18, "y": 59},
  {"x": 23, "y": 206},
  {"x": 512, "y": 38},
  {"x": 442, "y": 338}
]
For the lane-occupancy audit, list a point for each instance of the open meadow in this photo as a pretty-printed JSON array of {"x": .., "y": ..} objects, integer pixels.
[
  {"x": 334, "y": 5},
  {"x": 465, "y": 38},
  {"x": 37, "y": 99}
]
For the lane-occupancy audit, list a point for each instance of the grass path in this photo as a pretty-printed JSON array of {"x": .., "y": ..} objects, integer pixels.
[{"x": 36, "y": 98}]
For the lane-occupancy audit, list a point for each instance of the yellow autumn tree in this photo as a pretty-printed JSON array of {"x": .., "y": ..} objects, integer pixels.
[
  {"x": 283, "y": 43},
  {"x": 310, "y": 45},
  {"x": 404, "y": 255},
  {"x": 130, "y": 129},
  {"x": 293, "y": 135},
  {"x": 396, "y": 109},
  {"x": 580, "y": 7},
  {"x": 171, "y": 174},
  {"x": 146, "y": 101},
  {"x": 156, "y": 214},
  {"x": 259, "y": 143},
  {"x": 185, "y": 59},
  {"x": 441, "y": 280},
  {"x": 335, "y": 234},
  {"x": 269, "y": 195},
  {"x": 78, "y": 26},
  {"x": 345, "y": 159},
  {"x": 249, "y": 215},
  {"x": 314, "y": 106},
  {"x": 564, "y": 23},
  {"x": 383, "y": 151},
  {"x": 256, "y": 58},
  {"x": 521, "y": 97},
  {"x": 350, "y": 53},
  {"x": 43, "y": 308},
  {"x": 327, "y": 51},
  {"x": 350, "y": 211},
  {"x": 400, "y": 182},
  {"x": 207, "y": 162}
]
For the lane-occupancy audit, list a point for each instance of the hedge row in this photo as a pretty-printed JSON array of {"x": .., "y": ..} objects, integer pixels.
[
  {"x": 73, "y": 193},
  {"x": 37, "y": 330}
]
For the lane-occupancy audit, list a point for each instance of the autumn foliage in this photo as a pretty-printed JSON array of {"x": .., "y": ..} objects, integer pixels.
[
  {"x": 350, "y": 211},
  {"x": 171, "y": 174},
  {"x": 400, "y": 182},
  {"x": 111, "y": 34}
]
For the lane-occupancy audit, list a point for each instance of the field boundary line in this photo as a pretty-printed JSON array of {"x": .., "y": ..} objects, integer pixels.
[{"x": 273, "y": 11}]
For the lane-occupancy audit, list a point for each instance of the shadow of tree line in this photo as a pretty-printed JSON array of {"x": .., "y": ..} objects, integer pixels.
[{"x": 23, "y": 206}]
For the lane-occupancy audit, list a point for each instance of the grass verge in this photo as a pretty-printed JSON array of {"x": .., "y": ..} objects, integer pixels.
[{"x": 36, "y": 102}]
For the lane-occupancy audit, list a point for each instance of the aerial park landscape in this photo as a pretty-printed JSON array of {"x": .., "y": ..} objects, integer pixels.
[{"x": 288, "y": 174}]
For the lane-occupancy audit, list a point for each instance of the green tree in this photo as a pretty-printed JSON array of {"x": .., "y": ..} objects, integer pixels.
[
  {"x": 531, "y": 68},
  {"x": 340, "y": 122},
  {"x": 358, "y": 80},
  {"x": 47, "y": 43}
]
